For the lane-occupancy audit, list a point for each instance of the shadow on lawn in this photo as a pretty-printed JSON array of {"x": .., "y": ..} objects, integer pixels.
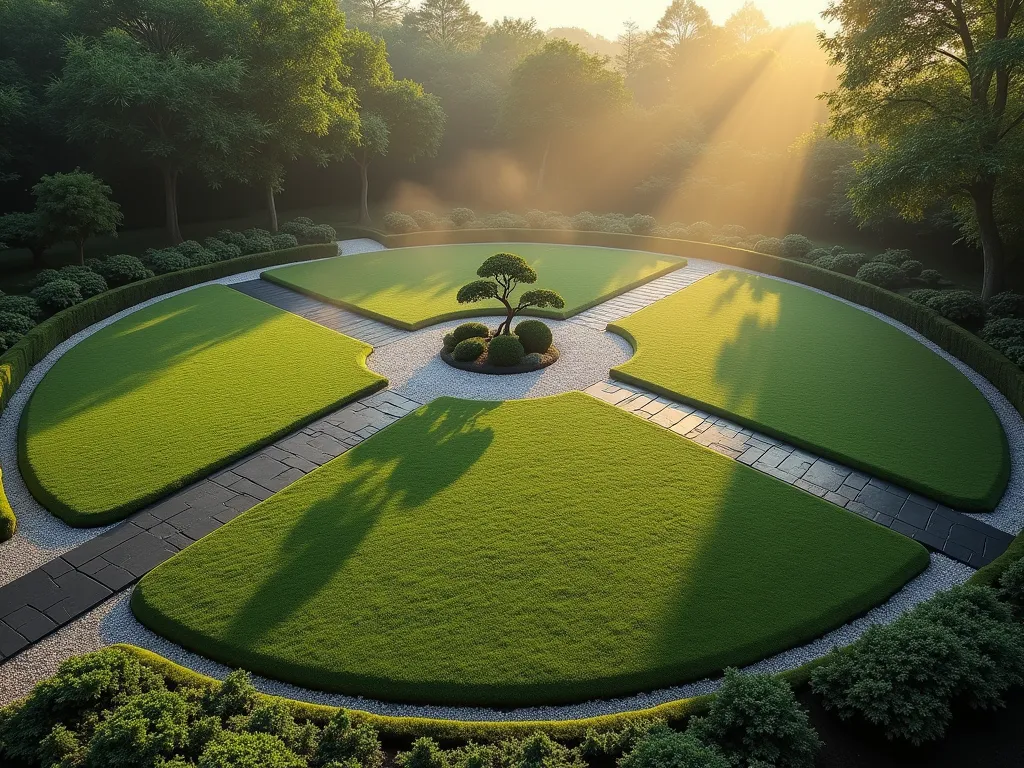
[{"x": 404, "y": 465}]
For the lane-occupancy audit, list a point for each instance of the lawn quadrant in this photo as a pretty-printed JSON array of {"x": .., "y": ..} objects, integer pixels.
[
  {"x": 169, "y": 393},
  {"x": 826, "y": 377},
  {"x": 518, "y": 553},
  {"x": 414, "y": 287}
]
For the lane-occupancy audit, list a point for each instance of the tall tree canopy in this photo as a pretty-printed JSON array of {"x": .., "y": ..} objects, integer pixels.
[
  {"x": 747, "y": 23},
  {"x": 374, "y": 13},
  {"x": 450, "y": 24},
  {"x": 934, "y": 91},
  {"x": 553, "y": 91},
  {"x": 682, "y": 22}
]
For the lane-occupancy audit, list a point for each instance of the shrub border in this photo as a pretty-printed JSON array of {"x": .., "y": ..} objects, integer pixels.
[{"x": 393, "y": 241}]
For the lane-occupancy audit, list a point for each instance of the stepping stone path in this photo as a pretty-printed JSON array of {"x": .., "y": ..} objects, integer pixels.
[{"x": 937, "y": 527}]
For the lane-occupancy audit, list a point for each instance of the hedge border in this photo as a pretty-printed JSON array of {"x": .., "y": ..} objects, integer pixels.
[
  {"x": 41, "y": 340},
  {"x": 462, "y": 314}
]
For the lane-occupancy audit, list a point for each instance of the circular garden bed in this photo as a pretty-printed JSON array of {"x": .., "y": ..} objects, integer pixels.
[{"x": 475, "y": 347}]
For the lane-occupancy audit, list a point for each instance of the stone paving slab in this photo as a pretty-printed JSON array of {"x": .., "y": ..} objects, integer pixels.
[
  {"x": 43, "y": 600},
  {"x": 937, "y": 527},
  {"x": 375, "y": 333}
]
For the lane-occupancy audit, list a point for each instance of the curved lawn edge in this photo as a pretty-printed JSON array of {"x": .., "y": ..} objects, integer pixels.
[
  {"x": 986, "y": 503},
  {"x": 480, "y": 311},
  {"x": 78, "y": 519}
]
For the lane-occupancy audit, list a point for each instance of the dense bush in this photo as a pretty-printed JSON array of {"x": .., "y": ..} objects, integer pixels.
[
  {"x": 642, "y": 224},
  {"x": 963, "y": 645},
  {"x": 343, "y": 742},
  {"x": 468, "y": 350},
  {"x": 1003, "y": 328},
  {"x": 462, "y": 216},
  {"x": 145, "y": 730},
  {"x": 168, "y": 260},
  {"x": 14, "y": 323},
  {"x": 424, "y": 753},
  {"x": 756, "y": 720},
  {"x": 844, "y": 263},
  {"x": 400, "y": 223},
  {"x": 284, "y": 240},
  {"x": 1011, "y": 587},
  {"x": 532, "y": 359},
  {"x": 307, "y": 232},
  {"x": 930, "y": 277},
  {"x": 425, "y": 220},
  {"x": 1005, "y": 304},
  {"x": 964, "y": 308},
  {"x": 89, "y": 283},
  {"x": 234, "y": 238},
  {"x": 770, "y": 245},
  {"x": 223, "y": 251},
  {"x": 471, "y": 331},
  {"x": 796, "y": 247},
  {"x": 912, "y": 268},
  {"x": 257, "y": 241},
  {"x": 505, "y": 351},
  {"x": 21, "y": 305},
  {"x": 666, "y": 748},
  {"x": 247, "y": 750},
  {"x": 895, "y": 257},
  {"x": 57, "y": 295},
  {"x": 450, "y": 342},
  {"x": 882, "y": 274},
  {"x": 701, "y": 231},
  {"x": 534, "y": 335},
  {"x": 121, "y": 269},
  {"x": 196, "y": 254},
  {"x": 923, "y": 295}
]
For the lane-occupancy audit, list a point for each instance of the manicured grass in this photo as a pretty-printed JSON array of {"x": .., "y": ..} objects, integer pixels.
[
  {"x": 825, "y": 376},
  {"x": 518, "y": 553},
  {"x": 415, "y": 287},
  {"x": 171, "y": 392}
]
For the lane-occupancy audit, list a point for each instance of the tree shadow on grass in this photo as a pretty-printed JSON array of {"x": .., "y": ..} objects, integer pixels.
[{"x": 414, "y": 459}]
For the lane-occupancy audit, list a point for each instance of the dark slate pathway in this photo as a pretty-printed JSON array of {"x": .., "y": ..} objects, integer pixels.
[
  {"x": 43, "y": 600},
  {"x": 937, "y": 527},
  {"x": 372, "y": 332}
]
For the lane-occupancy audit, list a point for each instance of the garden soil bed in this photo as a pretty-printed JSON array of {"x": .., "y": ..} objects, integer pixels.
[{"x": 480, "y": 365}]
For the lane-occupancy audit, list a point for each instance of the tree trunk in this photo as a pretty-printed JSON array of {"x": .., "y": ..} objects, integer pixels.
[
  {"x": 272, "y": 208},
  {"x": 81, "y": 252},
  {"x": 171, "y": 205},
  {"x": 992, "y": 247},
  {"x": 364, "y": 198},
  {"x": 542, "y": 173}
]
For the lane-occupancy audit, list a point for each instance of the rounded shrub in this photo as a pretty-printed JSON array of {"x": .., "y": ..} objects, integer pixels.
[
  {"x": 122, "y": 269},
  {"x": 425, "y": 220},
  {"x": 1011, "y": 587},
  {"x": 257, "y": 241},
  {"x": 796, "y": 247},
  {"x": 306, "y": 232},
  {"x": 196, "y": 254},
  {"x": 533, "y": 358},
  {"x": 923, "y": 295},
  {"x": 57, "y": 295},
  {"x": 450, "y": 342},
  {"x": 770, "y": 245},
  {"x": 816, "y": 253},
  {"x": 883, "y": 275},
  {"x": 1003, "y": 328},
  {"x": 663, "y": 747},
  {"x": 229, "y": 236},
  {"x": 462, "y": 216},
  {"x": 734, "y": 230},
  {"x": 47, "y": 275},
  {"x": 895, "y": 257},
  {"x": 223, "y": 251},
  {"x": 400, "y": 223},
  {"x": 21, "y": 305},
  {"x": 468, "y": 350},
  {"x": 505, "y": 351},
  {"x": 12, "y": 323},
  {"x": 912, "y": 268},
  {"x": 642, "y": 224},
  {"x": 536, "y": 219},
  {"x": 471, "y": 331},
  {"x": 964, "y": 308},
  {"x": 89, "y": 282},
  {"x": 168, "y": 260},
  {"x": 1006, "y": 304},
  {"x": 534, "y": 335},
  {"x": 700, "y": 231},
  {"x": 585, "y": 221},
  {"x": 930, "y": 277},
  {"x": 283, "y": 240}
]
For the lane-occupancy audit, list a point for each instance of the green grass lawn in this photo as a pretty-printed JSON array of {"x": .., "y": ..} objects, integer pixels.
[
  {"x": 825, "y": 376},
  {"x": 173, "y": 391},
  {"x": 518, "y": 553},
  {"x": 415, "y": 287}
]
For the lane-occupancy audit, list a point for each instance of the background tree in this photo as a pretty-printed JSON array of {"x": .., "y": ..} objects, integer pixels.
[
  {"x": 25, "y": 230},
  {"x": 747, "y": 23},
  {"x": 75, "y": 206},
  {"x": 934, "y": 92},
  {"x": 450, "y": 24},
  {"x": 506, "y": 43},
  {"x": 374, "y": 13},
  {"x": 292, "y": 87},
  {"x": 502, "y": 274},
  {"x": 554, "y": 91},
  {"x": 683, "y": 22},
  {"x": 156, "y": 82}
]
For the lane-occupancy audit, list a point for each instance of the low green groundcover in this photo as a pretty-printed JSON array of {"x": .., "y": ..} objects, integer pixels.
[
  {"x": 519, "y": 553},
  {"x": 825, "y": 376},
  {"x": 415, "y": 287},
  {"x": 169, "y": 393}
]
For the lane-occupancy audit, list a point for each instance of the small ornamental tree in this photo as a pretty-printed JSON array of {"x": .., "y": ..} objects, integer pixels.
[
  {"x": 75, "y": 206},
  {"x": 503, "y": 273}
]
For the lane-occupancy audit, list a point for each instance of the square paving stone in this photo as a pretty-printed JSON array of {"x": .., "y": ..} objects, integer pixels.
[
  {"x": 30, "y": 623},
  {"x": 204, "y": 528},
  {"x": 826, "y": 475},
  {"x": 848, "y": 492},
  {"x": 35, "y": 588},
  {"x": 283, "y": 480},
  {"x": 862, "y": 510},
  {"x": 810, "y": 488},
  {"x": 178, "y": 540},
  {"x": 328, "y": 446},
  {"x": 240, "y": 503},
  {"x": 940, "y": 526},
  {"x": 880, "y": 500},
  {"x": 249, "y": 488},
  {"x": 857, "y": 480},
  {"x": 751, "y": 456},
  {"x": 114, "y": 578},
  {"x": 958, "y": 552},
  {"x": 687, "y": 424},
  {"x": 835, "y": 498},
  {"x": 774, "y": 457},
  {"x": 10, "y": 641},
  {"x": 916, "y": 515},
  {"x": 80, "y": 594},
  {"x": 905, "y": 528},
  {"x": 930, "y": 540},
  {"x": 796, "y": 464},
  {"x": 261, "y": 469},
  {"x": 967, "y": 537},
  {"x": 668, "y": 417},
  {"x": 168, "y": 508},
  {"x": 56, "y": 568},
  {"x": 105, "y": 541}
]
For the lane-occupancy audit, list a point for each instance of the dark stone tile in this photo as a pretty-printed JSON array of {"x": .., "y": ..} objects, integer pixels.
[
  {"x": 168, "y": 508},
  {"x": 35, "y": 588},
  {"x": 880, "y": 500},
  {"x": 178, "y": 540},
  {"x": 241, "y": 503},
  {"x": 968, "y": 537},
  {"x": 924, "y": 501},
  {"x": 915, "y": 514},
  {"x": 947, "y": 513},
  {"x": 885, "y": 520},
  {"x": 145, "y": 520},
  {"x": 958, "y": 552},
  {"x": 283, "y": 480},
  {"x": 190, "y": 517},
  {"x": 252, "y": 489},
  {"x": 939, "y": 526},
  {"x": 10, "y": 641},
  {"x": 200, "y": 529},
  {"x": 56, "y": 568},
  {"x": 107, "y": 541},
  {"x": 826, "y": 475},
  {"x": 145, "y": 558},
  {"x": 227, "y": 515},
  {"x": 995, "y": 547},
  {"x": 94, "y": 565},
  {"x": 163, "y": 530},
  {"x": 862, "y": 510},
  {"x": 896, "y": 490},
  {"x": 261, "y": 469},
  {"x": 907, "y": 530},
  {"x": 80, "y": 594},
  {"x": 930, "y": 540},
  {"x": 30, "y": 623},
  {"x": 114, "y": 578}
]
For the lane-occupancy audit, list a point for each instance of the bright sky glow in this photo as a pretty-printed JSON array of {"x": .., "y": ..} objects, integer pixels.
[{"x": 605, "y": 18}]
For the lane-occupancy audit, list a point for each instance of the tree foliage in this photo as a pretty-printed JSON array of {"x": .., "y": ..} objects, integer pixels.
[
  {"x": 449, "y": 24},
  {"x": 75, "y": 206},
  {"x": 502, "y": 275}
]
